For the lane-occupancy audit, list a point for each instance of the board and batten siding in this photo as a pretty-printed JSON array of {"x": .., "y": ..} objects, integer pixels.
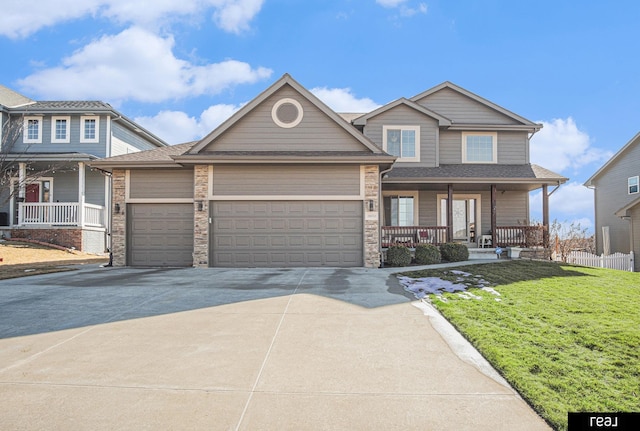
[
  {"x": 462, "y": 109},
  {"x": 161, "y": 184},
  {"x": 405, "y": 116},
  {"x": 273, "y": 180},
  {"x": 611, "y": 194},
  {"x": 512, "y": 147},
  {"x": 256, "y": 131}
]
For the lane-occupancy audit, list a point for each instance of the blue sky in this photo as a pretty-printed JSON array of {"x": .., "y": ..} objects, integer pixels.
[{"x": 181, "y": 67}]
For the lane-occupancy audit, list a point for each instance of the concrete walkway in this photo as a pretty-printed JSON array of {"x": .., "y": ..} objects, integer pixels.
[{"x": 294, "y": 349}]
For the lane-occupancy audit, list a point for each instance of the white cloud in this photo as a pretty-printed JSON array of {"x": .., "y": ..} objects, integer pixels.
[
  {"x": 572, "y": 202},
  {"x": 390, "y": 3},
  {"x": 136, "y": 65},
  {"x": 176, "y": 127},
  {"x": 18, "y": 21},
  {"x": 560, "y": 145},
  {"x": 405, "y": 10},
  {"x": 342, "y": 100}
]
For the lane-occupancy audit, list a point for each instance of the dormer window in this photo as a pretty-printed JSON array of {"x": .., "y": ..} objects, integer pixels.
[
  {"x": 632, "y": 185},
  {"x": 480, "y": 147},
  {"x": 402, "y": 142}
]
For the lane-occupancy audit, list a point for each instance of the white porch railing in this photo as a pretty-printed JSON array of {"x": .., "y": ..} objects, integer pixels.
[
  {"x": 60, "y": 214},
  {"x": 621, "y": 261}
]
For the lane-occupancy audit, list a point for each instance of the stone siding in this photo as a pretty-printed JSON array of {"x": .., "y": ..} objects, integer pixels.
[
  {"x": 371, "y": 218},
  {"x": 201, "y": 216},
  {"x": 118, "y": 220}
]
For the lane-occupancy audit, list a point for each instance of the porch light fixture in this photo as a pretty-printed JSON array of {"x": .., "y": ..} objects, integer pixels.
[
  {"x": 370, "y": 205},
  {"x": 200, "y": 206},
  {"x": 116, "y": 208}
]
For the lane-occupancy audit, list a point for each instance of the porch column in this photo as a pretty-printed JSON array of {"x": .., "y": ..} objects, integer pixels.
[
  {"x": 545, "y": 216},
  {"x": 22, "y": 186},
  {"x": 449, "y": 212},
  {"x": 81, "y": 189},
  {"x": 494, "y": 215}
]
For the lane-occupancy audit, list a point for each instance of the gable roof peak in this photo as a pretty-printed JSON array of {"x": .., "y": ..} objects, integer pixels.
[{"x": 442, "y": 120}]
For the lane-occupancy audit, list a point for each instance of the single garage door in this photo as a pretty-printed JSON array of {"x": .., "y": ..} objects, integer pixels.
[
  {"x": 286, "y": 234},
  {"x": 160, "y": 234}
]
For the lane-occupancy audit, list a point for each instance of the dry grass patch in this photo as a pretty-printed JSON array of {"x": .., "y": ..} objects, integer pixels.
[{"x": 20, "y": 259}]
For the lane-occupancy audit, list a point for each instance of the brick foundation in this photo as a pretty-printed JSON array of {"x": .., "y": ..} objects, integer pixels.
[{"x": 66, "y": 237}]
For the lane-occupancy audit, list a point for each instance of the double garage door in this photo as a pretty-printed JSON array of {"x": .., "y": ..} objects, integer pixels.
[
  {"x": 250, "y": 234},
  {"x": 286, "y": 233}
]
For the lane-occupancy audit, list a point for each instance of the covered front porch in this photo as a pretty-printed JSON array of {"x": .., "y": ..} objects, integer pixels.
[
  {"x": 60, "y": 200},
  {"x": 478, "y": 212}
]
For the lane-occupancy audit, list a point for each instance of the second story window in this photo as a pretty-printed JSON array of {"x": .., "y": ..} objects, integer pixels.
[
  {"x": 632, "y": 185},
  {"x": 89, "y": 129},
  {"x": 403, "y": 142},
  {"x": 60, "y": 129},
  {"x": 32, "y": 133},
  {"x": 479, "y": 147}
]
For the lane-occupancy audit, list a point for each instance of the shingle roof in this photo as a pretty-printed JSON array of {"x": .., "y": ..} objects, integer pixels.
[
  {"x": 12, "y": 99},
  {"x": 476, "y": 171},
  {"x": 162, "y": 154},
  {"x": 70, "y": 104}
]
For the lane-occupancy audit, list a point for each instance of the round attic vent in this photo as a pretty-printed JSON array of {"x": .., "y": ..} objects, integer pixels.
[{"x": 287, "y": 113}]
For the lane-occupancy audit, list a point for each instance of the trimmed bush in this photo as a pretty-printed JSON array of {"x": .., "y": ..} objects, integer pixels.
[
  {"x": 454, "y": 252},
  {"x": 427, "y": 254},
  {"x": 398, "y": 255}
]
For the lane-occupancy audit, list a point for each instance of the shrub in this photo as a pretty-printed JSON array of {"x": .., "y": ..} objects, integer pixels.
[
  {"x": 427, "y": 254},
  {"x": 454, "y": 252},
  {"x": 398, "y": 255}
]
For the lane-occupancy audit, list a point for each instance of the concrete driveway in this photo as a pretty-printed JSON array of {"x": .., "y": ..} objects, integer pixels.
[{"x": 223, "y": 349}]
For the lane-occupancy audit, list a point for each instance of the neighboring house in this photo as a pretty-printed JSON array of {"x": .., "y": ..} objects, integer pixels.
[
  {"x": 617, "y": 202},
  {"x": 288, "y": 182},
  {"x": 49, "y": 192}
]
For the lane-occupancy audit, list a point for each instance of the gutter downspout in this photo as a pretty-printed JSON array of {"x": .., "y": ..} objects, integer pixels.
[{"x": 380, "y": 208}]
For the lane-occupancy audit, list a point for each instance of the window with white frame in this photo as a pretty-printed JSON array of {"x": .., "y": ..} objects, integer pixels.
[
  {"x": 402, "y": 141},
  {"x": 480, "y": 147},
  {"x": 32, "y": 132},
  {"x": 632, "y": 185},
  {"x": 89, "y": 129},
  {"x": 60, "y": 130}
]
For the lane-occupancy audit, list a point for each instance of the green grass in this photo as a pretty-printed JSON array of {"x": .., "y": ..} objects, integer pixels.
[{"x": 567, "y": 338}]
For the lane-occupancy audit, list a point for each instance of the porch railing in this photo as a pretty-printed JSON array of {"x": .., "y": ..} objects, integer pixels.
[
  {"x": 506, "y": 236},
  {"x": 520, "y": 236},
  {"x": 411, "y": 236},
  {"x": 60, "y": 214}
]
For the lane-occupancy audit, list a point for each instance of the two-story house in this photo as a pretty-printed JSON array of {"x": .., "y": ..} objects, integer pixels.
[
  {"x": 286, "y": 181},
  {"x": 48, "y": 192},
  {"x": 616, "y": 188}
]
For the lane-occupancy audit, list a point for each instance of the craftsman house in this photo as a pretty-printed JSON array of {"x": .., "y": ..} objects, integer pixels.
[
  {"x": 47, "y": 190},
  {"x": 286, "y": 181}
]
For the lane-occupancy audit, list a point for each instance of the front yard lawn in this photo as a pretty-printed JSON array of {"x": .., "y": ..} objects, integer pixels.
[{"x": 567, "y": 338}]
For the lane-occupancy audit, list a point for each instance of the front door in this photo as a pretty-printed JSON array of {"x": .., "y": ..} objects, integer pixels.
[
  {"x": 32, "y": 193},
  {"x": 466, "y": 216}
]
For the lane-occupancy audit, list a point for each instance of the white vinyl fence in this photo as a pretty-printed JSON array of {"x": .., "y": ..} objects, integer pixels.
[{"x": 621, "y": 261}]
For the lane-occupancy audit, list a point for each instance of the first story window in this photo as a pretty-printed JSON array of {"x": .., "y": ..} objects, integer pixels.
[
  {"x": 632, "y": 185},
  {"x": 399, "y": 210},
  {"x": 32, "y": 133},
  {"x": 479, "y": 147},
  {"x": 402, "y": 141},
  {"x": 89, "y": 129}
]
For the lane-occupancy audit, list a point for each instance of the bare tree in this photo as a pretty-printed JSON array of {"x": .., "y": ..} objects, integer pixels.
[{"x": 567, "y": 237}]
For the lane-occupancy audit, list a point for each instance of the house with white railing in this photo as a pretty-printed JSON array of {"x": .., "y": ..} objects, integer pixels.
[{"x": 48, "y": 192}]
